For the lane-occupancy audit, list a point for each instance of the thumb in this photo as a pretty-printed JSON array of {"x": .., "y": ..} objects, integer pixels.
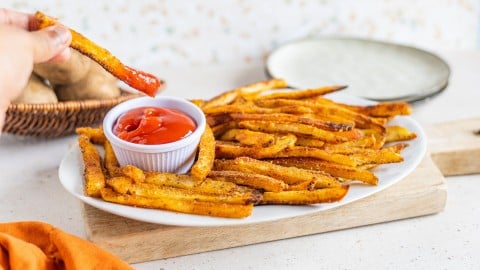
[{"x": 50, "y": 42}]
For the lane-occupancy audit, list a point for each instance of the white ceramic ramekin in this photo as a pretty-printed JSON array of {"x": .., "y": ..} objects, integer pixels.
[{"x": 176, "y": 157}]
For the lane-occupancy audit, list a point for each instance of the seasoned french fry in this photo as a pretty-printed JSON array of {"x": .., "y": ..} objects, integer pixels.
[
  {"x": 251, "y": 108},
  {"x": 285, "y": 117},
  {"x": 95, "y": 135},
  {"x": 140, "y": 80},
  {"x": 248, "y": 90},
  {"x": 305, "y": 196},
  {"x": 302, "y": 94},
  {"x": 379, "y": 136},
  {"x": 93, "y": 172},
  {"x": 222, "y": 128},
  {"x": 171, "y": 180},
  {"x": 300, "y": 129},
  {"x": 110, "y": 160},
  {"x": 349, "y": 147},
  {"x": 384, "y": 109},
  {"x": 206, "y": 155},
  {"x": 120, "y": 184},
  {"x": 182, "y": 206},
  {"x": 398, "y": 133},
  {"x": 218, "y": 119},
  {"x": 134, "y": 173},
  {"x": 252, "y": 180},
  {"x": 361, "y": 120},
  {"x": 309, "y": 142},
  {"x": 123, "y": 186},
  {"x": 397, "y": 148},
  {"x": 382, "y": 156},
  {"x": 334, "y": 169},
  {"x": 248, "y": 137},
  {"x": 189, "y": 182},
  {"x": 231, "y": 150},
  {"x": 300, "y": 151},
  {"x": 305, "y": 185},
  {"x": 289, "y": 175}
]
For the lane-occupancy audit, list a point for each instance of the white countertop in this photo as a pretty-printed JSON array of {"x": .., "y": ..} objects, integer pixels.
[{"x": 30, "y": 190}]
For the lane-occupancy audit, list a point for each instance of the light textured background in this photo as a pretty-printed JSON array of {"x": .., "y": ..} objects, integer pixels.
[{"x": 179, "y": 33}]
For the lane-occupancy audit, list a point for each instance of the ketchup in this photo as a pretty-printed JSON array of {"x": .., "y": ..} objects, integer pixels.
[{"x": 153, "y": 125}]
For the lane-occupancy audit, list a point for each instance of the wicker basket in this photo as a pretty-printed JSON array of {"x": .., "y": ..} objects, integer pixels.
[{"x": 58, "y": 119}]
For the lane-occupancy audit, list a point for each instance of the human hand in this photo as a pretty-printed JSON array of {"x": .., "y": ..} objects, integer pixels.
[{"x": 21, "y": 48}]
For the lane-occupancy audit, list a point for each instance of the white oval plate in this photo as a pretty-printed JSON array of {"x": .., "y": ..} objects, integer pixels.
[
  {"x": 372, "y": 69},
  {"x": 71, "y": 177}
]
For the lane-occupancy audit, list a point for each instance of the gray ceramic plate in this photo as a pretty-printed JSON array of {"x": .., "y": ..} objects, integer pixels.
[{"x": 374, "y": 70}]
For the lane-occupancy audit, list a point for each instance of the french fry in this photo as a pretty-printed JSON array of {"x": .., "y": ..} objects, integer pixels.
[
  {"x": 251, "y": 108},
  {"x": 95, "y": 135},
  {"x": 206, "y": 155},
  {"x": 183, "y": 206},
  {"x": 398, "y": 133},
  {"x": 110, "y": 160},
  {"x": 248, "y": 137},
  {"x": 397, "y": 148},
  {"x": 172, "y": 180},
  {"x": 120, "y": 184},
  {"x": 334, "y": 169},
  {"x": 285, "y": 117},
  {"x": 380, "y": 137},
  {"x": 301, "y": 151},
  {"x": 222, "y": 128},
  {"x": 302, "y": 94},
  {"x": 252, "y": 180},
  {"x": 124, "y": 185},
  {"x": 299, "y": 129},
  {"x": 218, "y": 119},
  {"x": 134, "y": 173},
  {"x": 248, "y": 90},
  {"x": 289, "y": 175},
  {"x": 300, "y": 197},
  {"x": 349, "y": 147},
  {"x": 189, "y": 182},
  {"x": 305, "y": 185},
  {"x": 142, "y": 81},
  {"x": 361, "y": 120},
  {"x": 232, "y": 150},
  {"x": 309, "y": 142},
  {"x": 384, "y": 109},
  {"x": 93, "y": 172},
  {"x": 382, "y": 156}
]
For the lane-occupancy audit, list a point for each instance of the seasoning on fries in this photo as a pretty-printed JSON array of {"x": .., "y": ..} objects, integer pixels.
[{"x": 263, "y": 146}]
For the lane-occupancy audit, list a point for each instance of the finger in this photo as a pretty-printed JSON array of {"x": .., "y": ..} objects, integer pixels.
[
  {"x": 50, "y": 42},
  {"x": 14, "y": 18},
  {"x": 62, "y": 56}
]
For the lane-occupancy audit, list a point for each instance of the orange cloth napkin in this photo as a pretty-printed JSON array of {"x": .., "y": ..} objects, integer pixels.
[{"x": 38, "y": 246}]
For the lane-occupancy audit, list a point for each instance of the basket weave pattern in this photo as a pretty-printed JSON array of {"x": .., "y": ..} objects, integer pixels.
[{"x": 58, "y": 119}]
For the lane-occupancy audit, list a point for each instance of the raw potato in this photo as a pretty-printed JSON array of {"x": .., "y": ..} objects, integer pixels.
[
  {"x": 97, "y": 84},
  {"x": 36, "y": 91},
  {"x": 68, "y": 72}
]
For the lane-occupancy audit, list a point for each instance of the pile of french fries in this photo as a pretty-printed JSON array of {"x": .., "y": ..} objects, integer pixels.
[{"x": 263, "y": 145}]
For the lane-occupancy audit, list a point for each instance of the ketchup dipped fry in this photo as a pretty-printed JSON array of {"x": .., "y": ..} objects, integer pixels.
[{"x": 142, "y": 81}]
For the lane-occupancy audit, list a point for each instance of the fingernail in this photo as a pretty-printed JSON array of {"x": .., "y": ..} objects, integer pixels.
[{"x": 60, "y": 35}]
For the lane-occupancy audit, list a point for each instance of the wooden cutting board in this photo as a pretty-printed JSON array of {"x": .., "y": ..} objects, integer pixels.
[
  {"x": 423, "y": 192},
  {"x": 454, "y": 150},
  {"x": 455, "y": 146}
]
